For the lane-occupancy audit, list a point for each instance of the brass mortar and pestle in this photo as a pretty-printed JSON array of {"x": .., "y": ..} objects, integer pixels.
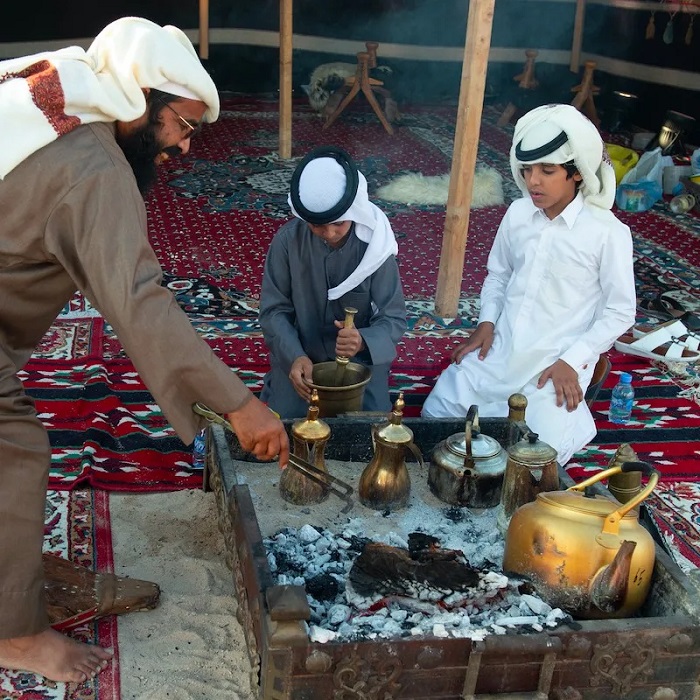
[{"x": 340, "y": 383}]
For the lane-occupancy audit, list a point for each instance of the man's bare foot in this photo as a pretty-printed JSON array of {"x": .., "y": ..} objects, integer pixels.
[{"x": 54, "y": 656}]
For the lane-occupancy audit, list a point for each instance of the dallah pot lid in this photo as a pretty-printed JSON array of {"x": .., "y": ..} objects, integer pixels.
[
  {"x": 483, "y": 446},
  {"x": 532, "y": 452},
  {"x": 576, "y": 501}
]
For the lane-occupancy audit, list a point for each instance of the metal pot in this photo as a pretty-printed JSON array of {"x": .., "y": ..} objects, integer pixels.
[
  {"x": 467, "y": 468},
  {"x": 584, "y": 553},
  {"x": 531, "y": 469}
]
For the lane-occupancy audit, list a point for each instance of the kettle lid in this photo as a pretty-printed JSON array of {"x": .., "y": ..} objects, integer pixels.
[
  {"x": 587, "y": 503},
  {"x": 483, "y": 446},
  {"x": 532, "y": 452},
  {"x": 394, "y": 431},
  {"x": 311, "y": 428}
]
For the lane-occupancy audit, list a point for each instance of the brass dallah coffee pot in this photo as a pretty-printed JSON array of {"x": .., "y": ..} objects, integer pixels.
[
  {"x": 309, "y": 438},
  {"x": 385, "y": 483}
]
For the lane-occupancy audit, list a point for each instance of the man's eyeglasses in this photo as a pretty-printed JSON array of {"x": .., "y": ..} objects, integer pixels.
[{"x": 192, "y": 129}]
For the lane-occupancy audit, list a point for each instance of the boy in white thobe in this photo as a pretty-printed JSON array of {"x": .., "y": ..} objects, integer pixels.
[{"x": 559, "y": 288}]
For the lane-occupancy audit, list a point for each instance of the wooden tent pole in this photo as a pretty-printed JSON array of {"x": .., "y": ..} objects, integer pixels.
[
  {"x": 578, "y": 36},
  {"x": 204, "y": 29},
  {"x": 471, "y": 103},
  {"x": 285, "y": 126}
]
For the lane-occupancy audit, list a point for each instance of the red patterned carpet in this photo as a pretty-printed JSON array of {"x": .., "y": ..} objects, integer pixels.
[
  {"x": 77, "y": 528},
  {"x": 211, "y": 219}
]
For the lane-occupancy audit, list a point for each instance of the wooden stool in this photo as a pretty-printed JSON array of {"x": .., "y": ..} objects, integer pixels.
[
  {"x": 586, "y": 91},
  {"x": 526, "y": 81},
  {"x": 368, "y": 86}
]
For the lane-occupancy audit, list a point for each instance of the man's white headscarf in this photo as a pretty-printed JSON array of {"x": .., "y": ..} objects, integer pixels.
[
  {"x": 326, "y": 188},
  {"x": 560, "y": 134},
  {"x": 48, "y": 94}
]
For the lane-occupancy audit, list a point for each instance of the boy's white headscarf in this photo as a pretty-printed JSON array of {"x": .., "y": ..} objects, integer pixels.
[
  {"x": 48, "y": 94},
  {"x": 560, "y": 134},
  {"x": 322, "y": 185}
]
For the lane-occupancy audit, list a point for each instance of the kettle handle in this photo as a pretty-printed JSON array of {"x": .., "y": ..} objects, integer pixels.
[
  {"x": 612, "y": 521},
  {"x": 472, "y": 423}
]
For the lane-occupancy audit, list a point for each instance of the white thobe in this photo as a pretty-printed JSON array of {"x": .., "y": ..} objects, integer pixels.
[{"x": 560, "y": 289}]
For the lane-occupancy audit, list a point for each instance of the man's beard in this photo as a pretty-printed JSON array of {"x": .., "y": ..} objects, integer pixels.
[{"x": 141, "y": 149}]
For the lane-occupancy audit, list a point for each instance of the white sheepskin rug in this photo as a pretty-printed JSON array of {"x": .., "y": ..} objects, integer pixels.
[{"x": 416, "y": 188}]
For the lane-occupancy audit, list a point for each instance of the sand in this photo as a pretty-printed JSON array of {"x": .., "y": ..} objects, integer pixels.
[{"x": 191, "y": 646}]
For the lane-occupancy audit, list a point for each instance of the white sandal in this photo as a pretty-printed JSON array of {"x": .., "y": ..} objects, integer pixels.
[
  {"x": 666, "y": 343},
  {"x": 676, "y": 328}
]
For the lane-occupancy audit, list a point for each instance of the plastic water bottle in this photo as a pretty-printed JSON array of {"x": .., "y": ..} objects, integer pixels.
[
  {"x": 622, "y": 400},
  {"x": 199, "y": 450}
]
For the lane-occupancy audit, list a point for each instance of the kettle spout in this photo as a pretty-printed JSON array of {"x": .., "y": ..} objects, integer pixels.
[{"x": 609, "y": 586}]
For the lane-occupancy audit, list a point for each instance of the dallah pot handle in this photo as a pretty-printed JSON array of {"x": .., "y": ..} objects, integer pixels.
[{"x": 613, "y": 520}]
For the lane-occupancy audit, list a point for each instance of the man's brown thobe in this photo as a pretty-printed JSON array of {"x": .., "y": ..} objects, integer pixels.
[{"x": 72, "y": 218}]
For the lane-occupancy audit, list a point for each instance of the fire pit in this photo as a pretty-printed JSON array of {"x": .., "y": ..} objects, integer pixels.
[{"x": 655, "y": 655}]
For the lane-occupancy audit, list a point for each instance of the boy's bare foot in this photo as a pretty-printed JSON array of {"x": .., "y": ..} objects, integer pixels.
[{"x": 54, "y": 656}]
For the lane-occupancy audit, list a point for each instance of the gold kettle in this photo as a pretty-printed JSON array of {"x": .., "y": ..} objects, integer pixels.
[
  {"x": 385, "y": 483},
  {"x": 584, "y": 553},
  {"x": 309, "y": 438}
]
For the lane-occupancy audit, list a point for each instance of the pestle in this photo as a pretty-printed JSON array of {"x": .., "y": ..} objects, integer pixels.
[{"x": 342, "y": 362}]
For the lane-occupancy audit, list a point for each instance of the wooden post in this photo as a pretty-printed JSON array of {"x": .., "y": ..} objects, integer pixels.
[
  {"x": 204, "y": 29},
  {"x": 578, "y": 36},
  {"x": 471, "y": 103},
  {"x": 285, "y": 135}
]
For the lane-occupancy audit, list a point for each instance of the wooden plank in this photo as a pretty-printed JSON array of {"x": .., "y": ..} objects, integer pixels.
[
  {"x": 577, "y": 36},
  {"x": 204, "y": 29},
  {"x": 285, "y": 125},
  {"x": 471, "y": 103}
]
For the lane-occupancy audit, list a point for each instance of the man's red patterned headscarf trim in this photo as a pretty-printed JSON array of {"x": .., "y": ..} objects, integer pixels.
[{"x": 47, "y": 94}]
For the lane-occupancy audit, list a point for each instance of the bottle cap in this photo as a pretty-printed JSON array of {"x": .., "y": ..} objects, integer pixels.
[{"x": 625, "y": 377}]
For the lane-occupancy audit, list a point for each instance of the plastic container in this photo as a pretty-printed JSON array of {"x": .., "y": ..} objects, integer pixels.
[
  {"x": 695, "y": 162},
  {"x": 682, "y": 203},
  {"x": 638, "y": 196},
  {"x": 623, "y": 159},
  {"x": 199, "y": 450},
  {"x": 622, "y": 400}
]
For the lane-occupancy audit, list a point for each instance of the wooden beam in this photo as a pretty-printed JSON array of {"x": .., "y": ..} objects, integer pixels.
[
  {"x": 471, "y": 103},
  {"x": 285, "y": 125},
  {"x": 204, "y": 29},
  {"x": 578, "y": 36}
]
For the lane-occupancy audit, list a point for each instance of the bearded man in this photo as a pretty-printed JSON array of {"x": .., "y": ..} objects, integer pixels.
[{"x": 82, "y": 133}]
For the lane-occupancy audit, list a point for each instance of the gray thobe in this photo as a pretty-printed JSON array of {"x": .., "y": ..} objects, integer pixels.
[
  {"x": 297, "y": 317},
  {"x": 73, "y": 218}
]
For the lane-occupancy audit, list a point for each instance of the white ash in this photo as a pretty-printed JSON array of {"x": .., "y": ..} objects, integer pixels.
[{"x": 320, "y": 560}]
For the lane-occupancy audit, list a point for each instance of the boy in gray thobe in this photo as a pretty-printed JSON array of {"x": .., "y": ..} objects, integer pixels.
[{"x": 339, "y": 252}]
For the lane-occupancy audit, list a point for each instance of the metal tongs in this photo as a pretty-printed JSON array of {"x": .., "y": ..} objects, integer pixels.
[{"x": 333, "y": 484}]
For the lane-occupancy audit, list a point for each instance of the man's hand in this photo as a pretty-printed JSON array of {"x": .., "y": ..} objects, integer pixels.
[
  {"x": 349, "y": 341},
  {"x": 565, "y": 380},
  {"x": 481, "y": 339},
  {"x": 260, "y": 431},
  {"x": 302, "y": 368}
]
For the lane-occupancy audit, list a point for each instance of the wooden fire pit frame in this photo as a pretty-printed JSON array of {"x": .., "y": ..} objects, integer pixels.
[{"x": 654, "y": 656}]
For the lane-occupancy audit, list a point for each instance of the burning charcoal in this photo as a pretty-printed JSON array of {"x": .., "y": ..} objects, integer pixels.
[
  {"x": 440, "y": 631},
  {"x": 338, "y": 614},
  {"x": 538, "y": 606},
  {"x": 456, "y": 515},
  {"x": 321, "y": 635},
  {"x": 508, "y": 620},
  {"x": 308, "y": 534},
  {"x": 322, "y": 587}
]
